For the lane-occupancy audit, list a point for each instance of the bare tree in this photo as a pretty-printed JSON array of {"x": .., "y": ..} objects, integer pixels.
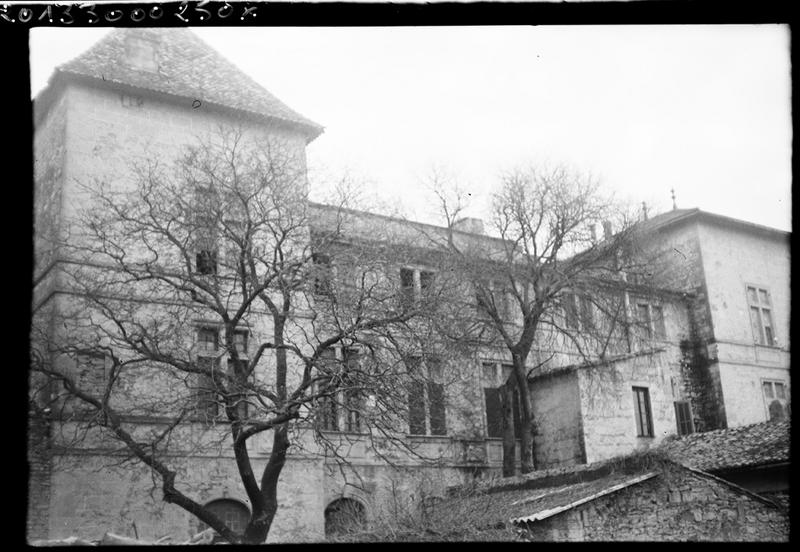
[
  {"x": 196, "y": 295},
  {"x": 547, "y": 284}
]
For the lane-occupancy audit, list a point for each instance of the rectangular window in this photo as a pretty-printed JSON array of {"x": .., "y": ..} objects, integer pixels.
[
  {"x": 761, "y": 316},
  {"x": 494, "y": 412},
  {"x": 493, "y": 397},
  {"x": 776, "y": 397},
  {"x": 328, "y": 406},
  {"x": 426, "y": 282},
  {"x": 406, "y": 287},
  {"x": 206, "y": 398},
  {"x": 323, "y": 274},
  {"x": 659, "y": 329},
  {"x": 643, "y": 319},
  {"x": 683, "y": 416},
  {"x": 570, "y": 311},
  {"x": 416, "y": 408},
  {"x": 353, "y": 392},
  {"x": 644, "y": 418},
  {"x": 240, "y": 341},
  {"x": 207, "y": 340},
  {"x": 426, "y": 397},
  {"x": 206, "y": 261}
]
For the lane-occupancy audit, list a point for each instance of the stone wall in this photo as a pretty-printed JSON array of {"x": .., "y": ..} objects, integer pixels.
[
  {"x": 676, "y": 505},
  {"x": 607, "y": 404},
  {"x": 559, "y": 429},
  {"x": 39, "y": 471}
]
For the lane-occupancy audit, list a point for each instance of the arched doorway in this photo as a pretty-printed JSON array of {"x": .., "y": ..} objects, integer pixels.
[
  {"x": 343, "y": 516},
  {"x": 235, "y": 514}
]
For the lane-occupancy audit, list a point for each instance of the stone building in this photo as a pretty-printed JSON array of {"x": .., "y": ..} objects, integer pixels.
[
  {"x": 139, "y": 95},
  {"x": 738, "y": 273},
  {"x": 640, "y": 497}
]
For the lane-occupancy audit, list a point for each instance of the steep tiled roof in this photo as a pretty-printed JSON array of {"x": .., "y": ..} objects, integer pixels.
[
  {"x": 679, "y": 216},
  {"x": 740, "y": 447},
  {"x": 184, "y": 66}
]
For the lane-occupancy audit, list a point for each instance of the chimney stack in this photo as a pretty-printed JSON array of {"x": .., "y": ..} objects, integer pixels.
[{"x": 593, "y": 230}]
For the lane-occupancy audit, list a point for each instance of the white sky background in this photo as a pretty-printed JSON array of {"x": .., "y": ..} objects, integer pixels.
[{"x": 703, "y": 109}]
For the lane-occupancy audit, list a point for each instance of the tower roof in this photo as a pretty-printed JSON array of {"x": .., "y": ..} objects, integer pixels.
[{"x": 176, "y": 62}]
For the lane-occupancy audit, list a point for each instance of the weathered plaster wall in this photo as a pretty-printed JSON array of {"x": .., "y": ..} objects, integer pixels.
[
  {"x": 90, "y": 497},
  {"x": 742, "y": 388},
  {"x": 607, "y": 404},
  {"x": 734, "y": 258},
  {"x": 559, "y": 428},
  {"x": 675, "y": 506}
]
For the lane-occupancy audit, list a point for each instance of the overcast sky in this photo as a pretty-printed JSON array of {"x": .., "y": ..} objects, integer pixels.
[{"x": 705, "y": 110}]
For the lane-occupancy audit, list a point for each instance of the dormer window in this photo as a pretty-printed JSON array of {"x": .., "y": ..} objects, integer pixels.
[{"x": 141, "y": 54}]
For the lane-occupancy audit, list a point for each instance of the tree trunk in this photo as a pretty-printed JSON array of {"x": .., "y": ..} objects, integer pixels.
[
  {"x": 526, "y": 415},
  {"x": 509, "y": 440},
  {"x": 261, "y": 521}
]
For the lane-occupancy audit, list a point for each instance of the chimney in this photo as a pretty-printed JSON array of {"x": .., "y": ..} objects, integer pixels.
[
  {"x": 607, "y": 229},
  {"x": 470, "y": 225},
  {"x": 593, "y": 230}
]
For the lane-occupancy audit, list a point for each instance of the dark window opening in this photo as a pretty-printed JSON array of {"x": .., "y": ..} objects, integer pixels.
[
  {"x": 494, "y": 412},
  {"x": 570, "y": 311},
  {"x": 406, "y": 287},
  {"x": 683, "y": 416},
  {"x": 343, "y": 516},
  {"x": 206, "y": 262},
  {"x": 644, "y": 417},
  {"x": 322, "y": 274}
]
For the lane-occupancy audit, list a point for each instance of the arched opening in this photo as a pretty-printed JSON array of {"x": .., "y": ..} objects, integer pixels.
[
  {"x": 776, "y": 411},
  {"x": 235, "y": 514},
  {"x": 344, "y": 515}
]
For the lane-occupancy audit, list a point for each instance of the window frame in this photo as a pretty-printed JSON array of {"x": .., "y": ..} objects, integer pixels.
[
  {"x": 336, "y": 414},
  {"x": 684, "y": 420},
  {"x": 413, "y": 292},
  {"x": 493, "y": 384},
  {"x": 423, "y": 410},
  {"x": 643, "y": 417},
  {"x": 654, "y": 326},
  {"x": 766, "y": 331},
  {"x": 218, "y": 356},
  {"x": 768, "y": 400}
]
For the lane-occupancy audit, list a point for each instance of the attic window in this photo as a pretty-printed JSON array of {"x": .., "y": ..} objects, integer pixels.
[{"x": 141, "y": 54}]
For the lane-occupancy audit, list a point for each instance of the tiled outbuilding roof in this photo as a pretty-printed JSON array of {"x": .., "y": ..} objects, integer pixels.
[
  {"x": 726, "y": 449},
  {"x": 178, "y": 63}
]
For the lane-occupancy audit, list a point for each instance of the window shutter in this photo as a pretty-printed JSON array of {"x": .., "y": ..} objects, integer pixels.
[{"x": 416, "y": 408}]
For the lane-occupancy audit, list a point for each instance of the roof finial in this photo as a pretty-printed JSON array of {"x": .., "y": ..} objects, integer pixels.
[
  {"x": 644, "y": 210},
  {"x": 674, "y": 205}
]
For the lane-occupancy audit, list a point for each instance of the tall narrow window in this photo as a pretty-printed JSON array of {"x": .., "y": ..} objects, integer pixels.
[
  {"x": 644, "y": 419},
  {"x": 425, "y": 282},
  {"x": 426, "y": 398},
  {"x": 643, "y": 319},
  {"x": 761, "y": 316},
  {"x": 406, "y": 287},
  {"x": 323, "y": 274},
  {"x": 206, "y": 397},
  {"x": 570, "y": 311},
  {"x": 776, "y": 397},
  {"x": 683, "y": 416},
  {"x": 205, "y": 232},
  {"x": 328, "y": 407},
  {"x": 659, "y": 329},
  {"x": 493, "y": 401},
  {"x": 353, "y": 393}
]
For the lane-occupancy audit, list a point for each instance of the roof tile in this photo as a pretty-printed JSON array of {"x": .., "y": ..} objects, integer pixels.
[{"x": 177, "y": 62}]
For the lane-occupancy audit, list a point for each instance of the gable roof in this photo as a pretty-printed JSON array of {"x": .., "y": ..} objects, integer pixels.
[
  {"x": 736, "y": 448},
  {"x": 187, "y": 67},
  {"x": 676, "y": 217}
]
